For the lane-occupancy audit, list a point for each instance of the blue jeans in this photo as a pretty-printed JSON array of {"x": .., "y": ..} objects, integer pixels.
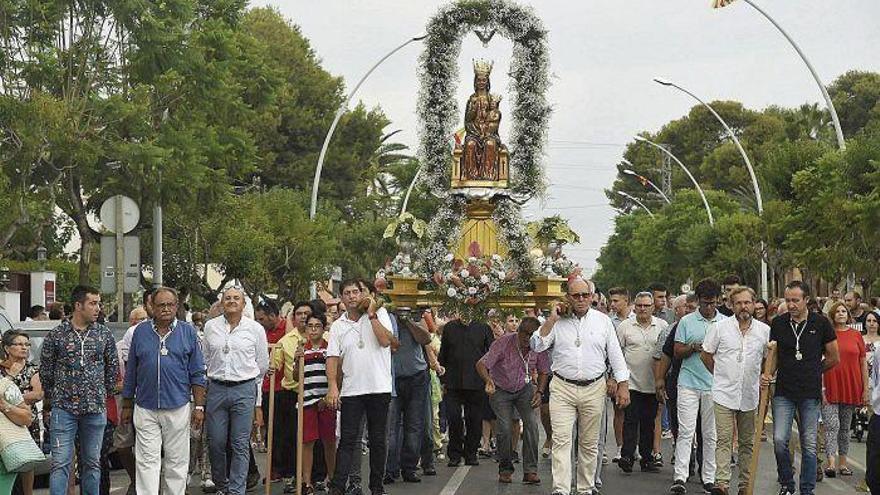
[
  {"x": 229, "y": 413},
  {"x": 808, "y": 423},
  {"x": 65, "y": 428},
  {"x": 411, "y": 400}
]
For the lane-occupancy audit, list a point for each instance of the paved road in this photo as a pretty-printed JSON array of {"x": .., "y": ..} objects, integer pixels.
[{"x": 482, "y": 479}]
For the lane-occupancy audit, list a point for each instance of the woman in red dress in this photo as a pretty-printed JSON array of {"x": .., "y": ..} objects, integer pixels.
[{"x": 845, "y": 389}]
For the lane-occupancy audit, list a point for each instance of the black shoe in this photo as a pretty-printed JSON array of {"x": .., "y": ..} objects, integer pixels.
[
  {"x": 253, "y": 480},
  {"x": 388, "y": 479},
  {"x": 649, "y": 467},
  {"x": 784, "y": 490},
  {"x": 708, "y": 487},
  {"x": 515, "y": 457},
  {"x": 429, "y": 471},
  {"x": 354, "y": 490},
  {"x": 411, "y": 478},
  {"x": 657, "y": 459},
  {"x": 830, "y": 473},
  {"x": 471, "y": 462},
  {"x": 484, "y": 453},
  {"x": 625, "y": 464},
  {"x": 454, "y": 463},
  {"x": 678, "y": 488}
]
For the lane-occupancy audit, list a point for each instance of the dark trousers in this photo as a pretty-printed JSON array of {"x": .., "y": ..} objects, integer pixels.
[
  {"x": 872, "y": 457},
  {"x": 353, "y": 410},
  {"x": 464, "y": 437},
  {"x": 638, "y": 424},
  {"x": 284, "y": 436},
  {"x": 411, "y": 397},
  {"x": 319, "y": 465}
]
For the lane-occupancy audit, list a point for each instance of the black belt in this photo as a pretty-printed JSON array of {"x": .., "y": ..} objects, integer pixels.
[
  {"x": 231, "y": 384},
  {"x": 579, "y": 383}
]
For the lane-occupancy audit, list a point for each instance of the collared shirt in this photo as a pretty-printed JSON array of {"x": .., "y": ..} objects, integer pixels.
[
  {"x": 638, "y": 343},
  {"x": 666, "y": 314},
  {"x": 798, "y": 379},
  {"x": 283, "y": 358},
  {"x": 616, "y": 320},
  {"x": 124, "y": 345},
  {"x": 509, "y": 369},
  {"x": 366, "y": 365},
  {"x": 235, "y": 354},
  {"x": 738, "y": 358},
  {"x": 692, "y": 329},
  {"x": 598, "y": 343},
  {"x": 163, "y": 381},
  {"x": 79, "y": 369},
  {"x": 272, "y": 337}
]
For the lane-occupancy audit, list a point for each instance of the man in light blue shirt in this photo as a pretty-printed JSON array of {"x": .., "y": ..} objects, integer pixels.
[
  {"x": 695, "y": 387},
  {"x": 165, "y": 368}
]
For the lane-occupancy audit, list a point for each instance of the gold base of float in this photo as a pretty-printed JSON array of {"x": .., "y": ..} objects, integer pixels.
[
  {"x": 405, "y": 292},
  {"x": 480, "y": 228}
]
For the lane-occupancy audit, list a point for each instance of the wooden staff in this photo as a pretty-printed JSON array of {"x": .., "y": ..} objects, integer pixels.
[
  {"x": 271, "y": 426},
  {"x": 769, "y": 369},
  {"x": 299, "y": 423}
]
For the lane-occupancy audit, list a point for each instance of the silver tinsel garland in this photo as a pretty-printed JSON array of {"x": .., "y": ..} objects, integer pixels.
[{"x": 439, "y": 113}]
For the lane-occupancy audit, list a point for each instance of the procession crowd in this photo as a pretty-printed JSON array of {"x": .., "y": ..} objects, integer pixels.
[{"x": 185, "y": 398}]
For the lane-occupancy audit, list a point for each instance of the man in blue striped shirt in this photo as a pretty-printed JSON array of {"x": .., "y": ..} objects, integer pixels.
[{"x": 165, "y": 366}]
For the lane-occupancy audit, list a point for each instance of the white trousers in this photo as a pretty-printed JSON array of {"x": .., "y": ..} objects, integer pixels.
[
  {"x": 691, "y": 401},
  {"x": 570, "y": 404},
  {"x": 158, "y": 431}
]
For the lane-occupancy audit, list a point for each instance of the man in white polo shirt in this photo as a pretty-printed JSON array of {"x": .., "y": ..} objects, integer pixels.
[
  {"x": 733, "y": 351},
  {"x": 359, "y": 346}
]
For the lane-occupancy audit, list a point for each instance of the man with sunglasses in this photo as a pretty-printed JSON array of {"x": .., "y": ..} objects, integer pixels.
[
  {"x": 237, "y": 358},
  {"x": 582, "y": 340},
  {"x": 695, "y": 388}
]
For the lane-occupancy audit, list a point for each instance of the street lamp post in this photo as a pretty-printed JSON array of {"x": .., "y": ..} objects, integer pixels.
[
  {"x": 688, "y": 172},
  {"x": 339, "y": 112},
  {"x": 636, "y": 201},
  {"x": 644, "y": 179},
  {"x": 313, "y": 208},
  {"x": 748, "y": 162},
  {"x": 838, "y": 130}
]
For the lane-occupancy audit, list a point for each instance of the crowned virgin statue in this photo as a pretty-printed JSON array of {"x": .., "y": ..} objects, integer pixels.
[{"x": 482, "y": 147}]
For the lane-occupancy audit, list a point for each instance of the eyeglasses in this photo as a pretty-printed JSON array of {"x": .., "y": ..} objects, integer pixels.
[
  {"x": 315, "y": 325},
  {"x": 21, "y": 344},
  {"x": 644, "y": 305},
  {"x": 167, "y": 305},
  {"x": 581, "y": 295}
]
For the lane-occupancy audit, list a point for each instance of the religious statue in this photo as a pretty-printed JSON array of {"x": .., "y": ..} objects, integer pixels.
[{"x": 483, "y": 156}]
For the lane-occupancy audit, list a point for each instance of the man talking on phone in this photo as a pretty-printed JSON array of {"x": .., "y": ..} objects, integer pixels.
[{"x": 582, "y": 340}]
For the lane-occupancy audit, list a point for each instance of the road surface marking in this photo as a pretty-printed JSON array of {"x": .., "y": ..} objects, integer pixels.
[{"x": 455, "y": 481}]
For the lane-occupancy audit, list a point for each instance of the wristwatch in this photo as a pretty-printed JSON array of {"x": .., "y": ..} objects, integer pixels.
[{"x": 200, "y": 408}]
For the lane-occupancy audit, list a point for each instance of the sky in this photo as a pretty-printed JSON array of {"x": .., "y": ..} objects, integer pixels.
[{"x": 603, "y": 56}]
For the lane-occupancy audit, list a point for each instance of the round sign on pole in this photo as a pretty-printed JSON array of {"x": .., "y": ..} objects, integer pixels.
[{"x": 131, "y": 214}]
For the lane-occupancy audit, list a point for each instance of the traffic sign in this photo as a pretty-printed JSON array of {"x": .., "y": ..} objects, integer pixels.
[{"x": 131, "y": 214}]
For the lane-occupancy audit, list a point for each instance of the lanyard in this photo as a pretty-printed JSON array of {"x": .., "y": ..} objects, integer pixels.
[
  {"x": 82, "y": 345},
  {"x": 163, "y": 351},
  {"x": 525, "y": 361},
  {"x": 797, "y": 338}
]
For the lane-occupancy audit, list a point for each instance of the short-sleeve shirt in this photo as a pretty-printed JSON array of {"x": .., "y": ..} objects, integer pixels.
[
  {"x": 692, "y": 329},
  {"x": 366, "y": 365},
  {"x": 638, "y": 344},
  {"x": 738, "y": 360},
  {"x": 844, "y": 383},
  {"x": 800, "y": 379}
]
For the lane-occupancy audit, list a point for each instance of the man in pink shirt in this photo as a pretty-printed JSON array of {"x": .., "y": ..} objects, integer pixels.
[{"x": 510, "y": 370}]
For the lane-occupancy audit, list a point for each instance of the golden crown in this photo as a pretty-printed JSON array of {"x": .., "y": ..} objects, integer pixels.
[{"x": 482, "y": 67}]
